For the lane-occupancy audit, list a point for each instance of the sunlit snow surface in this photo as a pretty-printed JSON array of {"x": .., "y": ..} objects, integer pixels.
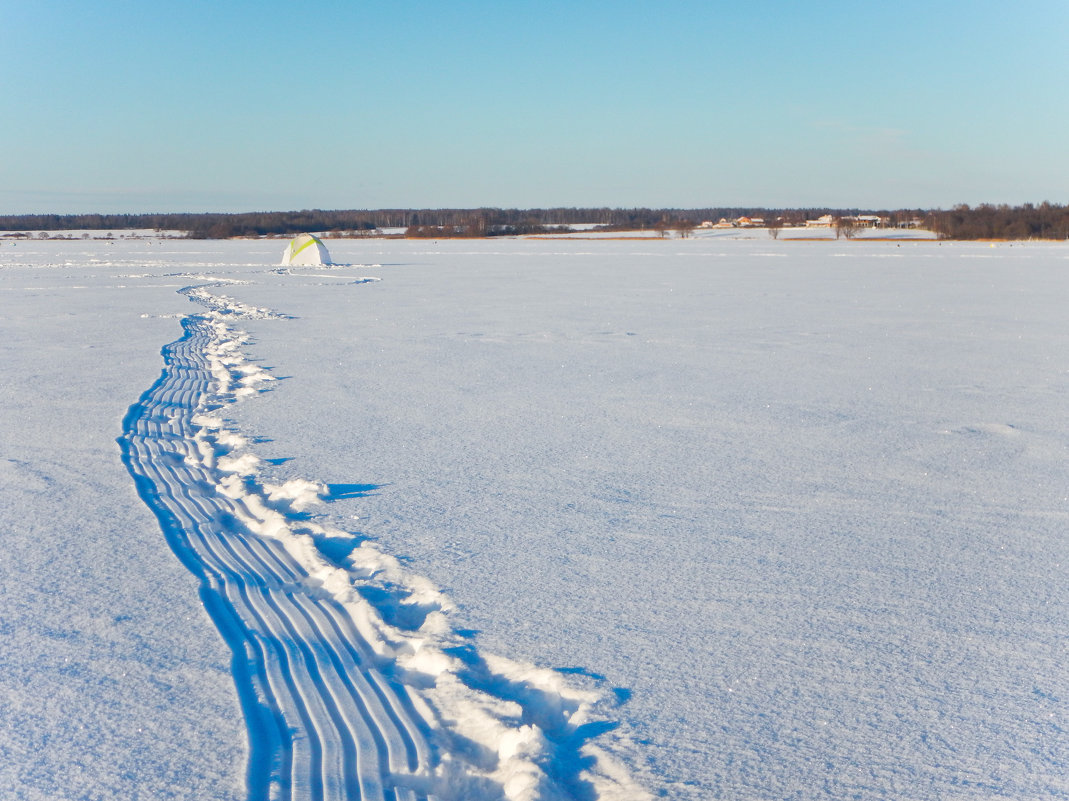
[{"x": 798, "y": 508}]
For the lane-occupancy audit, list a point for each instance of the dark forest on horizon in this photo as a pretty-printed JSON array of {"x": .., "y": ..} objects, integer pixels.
[{"x": 986, "y": 221}]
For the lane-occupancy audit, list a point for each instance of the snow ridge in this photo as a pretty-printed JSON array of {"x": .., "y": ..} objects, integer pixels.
[{"x": 351, "y": 680}]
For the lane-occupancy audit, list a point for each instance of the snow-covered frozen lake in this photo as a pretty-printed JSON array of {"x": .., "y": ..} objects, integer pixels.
[{"x": 777, "y": 519}]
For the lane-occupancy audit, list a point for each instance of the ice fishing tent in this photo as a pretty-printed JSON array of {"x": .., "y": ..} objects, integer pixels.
[{"x": 306, "y": 249}]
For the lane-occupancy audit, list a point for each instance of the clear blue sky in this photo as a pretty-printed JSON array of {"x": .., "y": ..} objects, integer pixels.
[{"x": 206, "y": 105}]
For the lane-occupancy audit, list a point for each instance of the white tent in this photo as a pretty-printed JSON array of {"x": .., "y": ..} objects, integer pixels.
[{"x": 306, "y": 249}]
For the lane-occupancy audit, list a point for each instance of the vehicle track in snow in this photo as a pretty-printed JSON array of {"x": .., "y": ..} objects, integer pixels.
[
  {"x": 338, "y": 703},
  {"x": 323, "y": 722}
]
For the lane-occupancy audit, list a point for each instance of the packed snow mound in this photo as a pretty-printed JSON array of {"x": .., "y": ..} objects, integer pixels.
[{"x": 305, "y": 249}]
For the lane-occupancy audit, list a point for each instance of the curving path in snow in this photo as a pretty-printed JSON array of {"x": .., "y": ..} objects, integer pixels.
[{"x": 339, "y": 703}]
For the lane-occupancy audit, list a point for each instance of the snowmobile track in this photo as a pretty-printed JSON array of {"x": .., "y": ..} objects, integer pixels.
[{"x": 324, "y": 723}]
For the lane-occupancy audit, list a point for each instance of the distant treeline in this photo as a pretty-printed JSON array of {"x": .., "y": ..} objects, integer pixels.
[
  {"x": 1045, "y": 221},
  {"x": 436, "y": 222}
]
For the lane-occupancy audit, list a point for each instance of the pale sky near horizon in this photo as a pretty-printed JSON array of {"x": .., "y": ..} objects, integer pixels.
[{"x": 124, "y": 106}]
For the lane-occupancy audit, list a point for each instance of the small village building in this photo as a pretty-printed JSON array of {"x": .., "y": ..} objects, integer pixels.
[{"x": 824, "y": 221}]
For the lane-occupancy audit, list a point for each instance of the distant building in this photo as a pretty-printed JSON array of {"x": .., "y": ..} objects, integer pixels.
[
  {"x": 860, "y": 221},
  {"x": 868, "y": 221},
  {"x": 825, "y": 221}
]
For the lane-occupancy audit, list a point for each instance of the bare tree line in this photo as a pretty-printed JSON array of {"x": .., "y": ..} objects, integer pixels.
[{"x": 1045, "y": 221}]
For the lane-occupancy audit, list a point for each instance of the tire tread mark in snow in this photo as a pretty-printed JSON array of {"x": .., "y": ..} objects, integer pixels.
[
  {"x": 324, "y": 724},
  {"x": 417, "y": 758}
]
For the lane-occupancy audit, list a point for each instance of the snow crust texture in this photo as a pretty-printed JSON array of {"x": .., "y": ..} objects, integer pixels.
[
  {"x": 801, "y": 505},
  {"x": 352, "y": 683}
]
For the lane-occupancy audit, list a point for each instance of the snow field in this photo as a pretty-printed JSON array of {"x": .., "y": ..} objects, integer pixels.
[
  {"x": 799, "y": 505},
  {"x": 113, "y": 682},
  {"x": 798, "y": 502}
]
